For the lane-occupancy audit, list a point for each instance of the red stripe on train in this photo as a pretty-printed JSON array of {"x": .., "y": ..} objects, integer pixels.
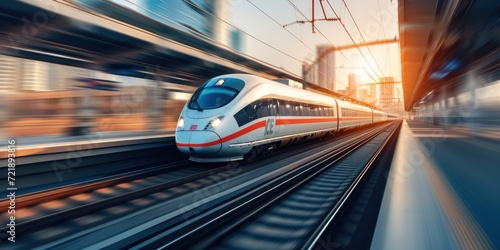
[{"x": 262, "y": 124}]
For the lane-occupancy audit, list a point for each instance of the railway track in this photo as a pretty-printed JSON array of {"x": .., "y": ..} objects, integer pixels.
[
  {"x": 290, "y": 212},
  {"x": 90, "y": 205},
  {"x": 47, "y": 208},
  {"x": 43, "y": 209}
]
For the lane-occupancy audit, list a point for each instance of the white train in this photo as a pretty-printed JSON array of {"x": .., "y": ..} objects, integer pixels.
[{"x": 238, "y": 116}]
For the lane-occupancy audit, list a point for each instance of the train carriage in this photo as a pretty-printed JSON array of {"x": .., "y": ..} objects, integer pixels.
[{"x": 237, "y": 116}]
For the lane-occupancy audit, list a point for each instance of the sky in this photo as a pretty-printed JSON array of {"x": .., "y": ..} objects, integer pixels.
[
  {"x": 261, "y": 22},
  {"x": 377, "y": 19}
]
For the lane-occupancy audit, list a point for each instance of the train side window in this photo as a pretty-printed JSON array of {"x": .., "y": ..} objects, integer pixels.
[
  {"x": 295, "y": 108},
  {"x": 314, "y": 110},
  {"x": 304, "y": 109},
  {"x": 310, "y": 109},
  {"x": 289, "y": 108},
  {"x": 245, "y": 115},
  {"x": 281, "y": 107},
  {"x": 261, "y": 108},
  {"x": 273, "y": 107},
  {"x": 266, "y": 107}
]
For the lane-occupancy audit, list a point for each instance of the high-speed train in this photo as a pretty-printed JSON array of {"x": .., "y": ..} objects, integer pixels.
[{"x": 239, "y": 116}]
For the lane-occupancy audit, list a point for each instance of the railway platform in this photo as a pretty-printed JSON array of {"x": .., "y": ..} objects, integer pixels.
[{"x": 441, "y": 192}]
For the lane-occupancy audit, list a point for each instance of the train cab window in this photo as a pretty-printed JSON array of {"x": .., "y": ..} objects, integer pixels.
[{"x": 216, "y": 93}]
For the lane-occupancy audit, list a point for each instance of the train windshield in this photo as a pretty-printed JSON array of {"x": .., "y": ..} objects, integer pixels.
[{"x": 216, "y": 93}]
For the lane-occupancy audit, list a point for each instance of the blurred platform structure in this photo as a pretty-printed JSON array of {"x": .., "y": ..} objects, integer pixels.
[
  {"x": 449, "y": 57},
  {"x": 109, "y": 38},
  {"x": 441, "y": 191},
  {"x": 106, "y": 37},
  {"x": 56, "y": 112}
]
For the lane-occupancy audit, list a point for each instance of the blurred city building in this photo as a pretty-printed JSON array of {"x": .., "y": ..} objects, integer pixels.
[
  {"x": 343, "y": 92},
  {"x": 196, "y": 16},
  {"x": 391, "y": 99},
  {"x": 47, "y": 98},
  {"x": 237, "y": 41},
  {"x": 290, "y": 83},
  {"x": 326, "y": 68},
  {"x": 373, "y": 94},
  {"x": 363, "y": 94},
  {"x": 308, "y": 72},
  {"x": 352, "y": 88},
  {"x": 9, "y": 78}
]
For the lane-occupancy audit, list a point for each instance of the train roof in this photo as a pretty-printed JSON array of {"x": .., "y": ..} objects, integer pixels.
[
  {"x": 281, "y": 90},
  {"x": 290, "y": 93}
]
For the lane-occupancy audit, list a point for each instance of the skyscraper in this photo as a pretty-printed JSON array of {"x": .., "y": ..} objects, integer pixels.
[
  {"x": 373, "y": 94},
  {"x": 354, "y": 81},
  {"x": 326, "y": 68},
  {"x": 387, "y": 91},
  {"x": 198, "y": 17}
]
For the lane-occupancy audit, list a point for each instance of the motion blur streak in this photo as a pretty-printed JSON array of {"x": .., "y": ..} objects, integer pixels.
[
  {"x": 424, "y": 210},
  {"x": 469, "y": 233}
]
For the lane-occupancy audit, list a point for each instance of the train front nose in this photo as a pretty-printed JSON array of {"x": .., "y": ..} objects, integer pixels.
[{"x": 198, "y": 143}]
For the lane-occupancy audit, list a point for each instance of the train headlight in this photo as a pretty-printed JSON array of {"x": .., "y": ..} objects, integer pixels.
[
  {"x": 214, "y": 123},
  {"x": 180, "y": 123}
]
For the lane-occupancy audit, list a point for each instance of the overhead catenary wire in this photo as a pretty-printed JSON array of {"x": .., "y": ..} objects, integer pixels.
[
  {"x": 230, "y": 24},
  {"x": 274, "y": 20},
  {"x": 296, "y": 19},
  {"x": 362, "y": 37},
  {"x": 385, "y": 35},
  {"x": 354, "y": 42},
  {"x": 248, "y": 34},
  {"x": 319, "y": 31}
]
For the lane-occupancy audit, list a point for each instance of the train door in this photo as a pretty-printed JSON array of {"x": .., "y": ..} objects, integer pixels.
[
  {"x": 274, "y": 107},
  {"x": 337, "y": 114}
]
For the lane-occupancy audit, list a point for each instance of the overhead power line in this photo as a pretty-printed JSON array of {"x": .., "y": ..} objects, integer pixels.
[
  {"x": 321, "y": 33},
  {"x": 274, "y": 20},
  {"x": 354, "y": 42},
  {"x": 362, "y": 37}
]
